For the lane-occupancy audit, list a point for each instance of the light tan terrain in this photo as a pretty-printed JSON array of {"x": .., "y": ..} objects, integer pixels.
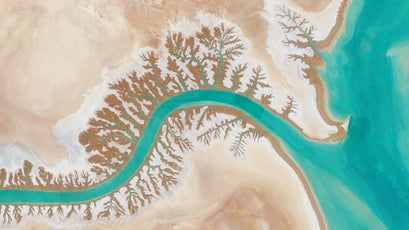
[
  {"x": 311, "y": 5},
  {"x": 53, "y": 52},
  {"x": 221, "y": 192}
]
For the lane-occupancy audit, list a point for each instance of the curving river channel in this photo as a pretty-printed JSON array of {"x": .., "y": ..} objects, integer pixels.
[
  {"x": 269, "y": 120},
  {"x": 361, "y": 182}
]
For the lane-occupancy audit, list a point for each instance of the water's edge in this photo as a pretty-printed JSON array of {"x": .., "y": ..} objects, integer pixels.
[{"x": 263, "y": 116}]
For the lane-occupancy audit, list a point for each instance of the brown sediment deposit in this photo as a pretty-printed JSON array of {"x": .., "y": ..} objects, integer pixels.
[
  {"x": 315, "y": 61},
  {"x": 278, "y": 147},
  {"x": 319, "y": 84},
  {"x": 247, "y": 206},
  {"x": 257, "y": 193},
  {"x": 53, "y": 53},
  {"x": 290, "y": 162},
  {"x": 247, "y": 14},
  {"x": 223, "y": 193},
  {"x": 46, "y": 71},
  {"x": 337, "y": 29},
  {"x": 284, "y": 155},
  {"x": 50, "y": 57}
]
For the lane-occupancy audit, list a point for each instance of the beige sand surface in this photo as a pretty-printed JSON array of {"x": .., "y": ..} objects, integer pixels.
[
  {"x": 311, "y": 5},
  {"x": 315, "y": 120},
  {"x": 221, "y": 192},
  {"x": 54, "y": 51}
]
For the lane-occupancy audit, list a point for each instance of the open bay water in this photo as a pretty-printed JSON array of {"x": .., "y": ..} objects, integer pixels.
[
  {"x": 367, "y": 185},
  {"x": 361, "y": 182}
]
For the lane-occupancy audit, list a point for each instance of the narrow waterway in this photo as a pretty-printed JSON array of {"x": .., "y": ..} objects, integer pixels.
[
  {"x": 361, "y": 182},
  {"x": 270, "y": 121}
]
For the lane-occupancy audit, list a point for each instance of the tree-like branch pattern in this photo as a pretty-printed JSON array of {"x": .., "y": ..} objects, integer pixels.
[
  {"x": 206, "y": 60},
  {"x": 299, "y": 35}
]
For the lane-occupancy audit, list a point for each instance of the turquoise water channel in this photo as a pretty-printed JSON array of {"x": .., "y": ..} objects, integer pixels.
[
  {"x": 367, "y": 75},
  {"x": 361, "y": 182},
  {"x": 199, "y": 97}
]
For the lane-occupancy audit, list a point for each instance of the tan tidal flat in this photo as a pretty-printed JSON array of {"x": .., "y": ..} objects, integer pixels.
[
  {"x": 219, "y": 192},
  {"x": 80, "y": 80}
]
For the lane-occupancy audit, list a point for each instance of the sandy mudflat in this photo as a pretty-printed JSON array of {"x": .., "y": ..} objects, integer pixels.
[
  {"x": 310, "y": 5},
  {"x": 221, "y": 192},
  {"x": 53, "y": 53}
]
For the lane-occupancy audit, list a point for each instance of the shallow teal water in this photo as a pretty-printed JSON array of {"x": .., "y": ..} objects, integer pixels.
[
  {"x": 367, "y": 76},
  {"x": 362, "y": 182},
  {"x": 199, "y": 97}
]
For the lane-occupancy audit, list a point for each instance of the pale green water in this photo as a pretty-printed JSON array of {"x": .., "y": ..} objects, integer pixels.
[{"x": 362, "y": 182}]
